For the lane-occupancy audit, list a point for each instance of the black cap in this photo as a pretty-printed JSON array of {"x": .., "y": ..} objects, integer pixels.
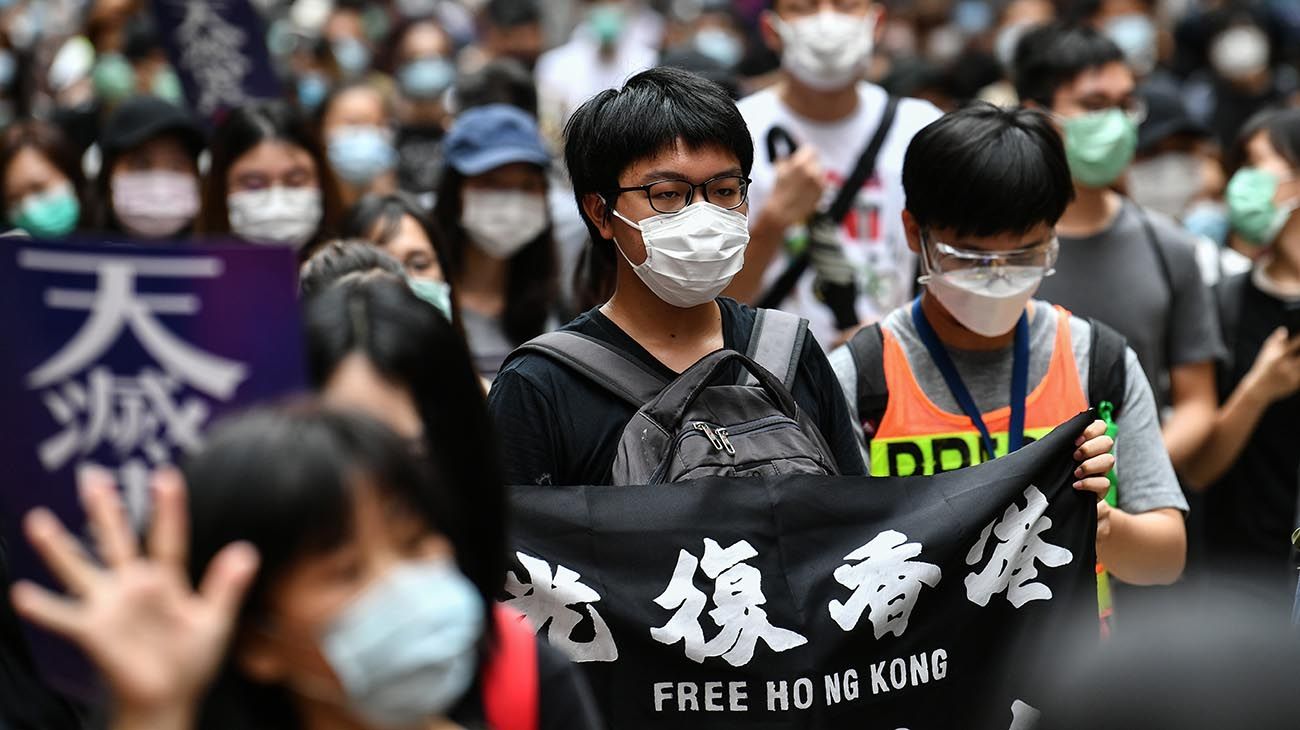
[
  {"x": 1166, "y": 117},
  {"x": 141, "y": 118}
]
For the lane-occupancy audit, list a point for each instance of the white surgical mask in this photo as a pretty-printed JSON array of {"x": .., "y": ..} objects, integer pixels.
[
  {"x": 826, "y": 51},
  {"x": 501, "y": 222},
  {"x": 276, "y": 215},
  {"x": 690, "y": 256},
  {"x": 1166, "y": 183},
  {"x": 405, "y": 651},
  {"x": 1008, "y": 38},
  {"x": 1135, "y": 34},
  {"x": 155, "y": 203},
  {"x": 984, "y": 301},
  {"x": 1239, "y": 52}
]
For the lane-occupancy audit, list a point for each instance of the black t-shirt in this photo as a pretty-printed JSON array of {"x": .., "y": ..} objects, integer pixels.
[
  {"x": 1251, "y": 511},
  {"x": 564, "y": 700},
  {"x": 419, "y": 155},
  {"x": 557, "y": 427}
]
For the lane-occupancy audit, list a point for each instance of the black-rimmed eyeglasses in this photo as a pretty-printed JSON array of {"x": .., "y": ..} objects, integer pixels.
[{"x": 672, "y": 196}]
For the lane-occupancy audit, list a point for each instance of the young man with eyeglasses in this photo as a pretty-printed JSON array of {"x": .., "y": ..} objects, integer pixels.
[
  {"x": 660, "y": 173},
  {"x": 1131, "y": 268},
  {"x": 822, "y": 101},
  {"x": 975, "y": 367}
]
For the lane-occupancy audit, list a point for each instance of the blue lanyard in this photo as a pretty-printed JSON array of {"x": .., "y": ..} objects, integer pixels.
[{"x": 1019, "y": 379}]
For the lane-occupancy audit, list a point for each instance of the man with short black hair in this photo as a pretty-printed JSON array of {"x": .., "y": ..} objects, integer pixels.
[
  {"x": 660, "y": 171},
  {"x": 513, "y": 29},
  {"x": 975, "y": 367},
  {"x": 1129, "y": 267}
]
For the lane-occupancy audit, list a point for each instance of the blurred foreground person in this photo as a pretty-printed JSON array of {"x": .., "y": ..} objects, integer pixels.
[{"x": 330, "y": 592}]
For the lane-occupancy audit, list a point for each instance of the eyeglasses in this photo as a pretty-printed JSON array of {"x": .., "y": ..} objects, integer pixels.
[
  {"x": 946, "y": 259},
  {"x": 672, "y": 196}
]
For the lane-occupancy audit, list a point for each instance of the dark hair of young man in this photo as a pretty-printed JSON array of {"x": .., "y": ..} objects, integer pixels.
[
  {"x": 512, "y": 13},
  {"x": 1282, "y": 126},
  {"x": 500, "y": 81},
  {"x": 620, "y": 127},
  {"x": 985, "y": 170},
  {"x": 1052, "y": 56}
]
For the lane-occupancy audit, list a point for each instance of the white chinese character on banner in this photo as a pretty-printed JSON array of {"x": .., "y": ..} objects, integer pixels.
[
  {"x": 737, "y": 597},
  {"x": 545, "y": 599},
  {"x": 1012, "y": 566},
  {"x": 212, "y": 51},
  {"x": 887, "y": 580},
  {"x": 144, "y": 416}
]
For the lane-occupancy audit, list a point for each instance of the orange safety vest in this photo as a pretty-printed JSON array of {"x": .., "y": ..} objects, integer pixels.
[{"x": 915, "y": 437}]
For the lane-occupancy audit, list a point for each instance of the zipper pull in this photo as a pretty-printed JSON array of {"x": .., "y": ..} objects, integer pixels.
[
  {"x": 726, "y": 442},
  {"x": 713, "y": 437}
]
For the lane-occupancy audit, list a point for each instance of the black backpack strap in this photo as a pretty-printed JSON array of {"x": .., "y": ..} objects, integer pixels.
[
  {"x": 1107, "y": 367},
  {"x": 613, "y": 370},
  {"x": 868, "y": 350},
  {"x": 1228, "y": 294},
  {"x": 840, "y": 207},
  {"x": 1166, "y": 273},
  {"x": 776, "y": 343}
]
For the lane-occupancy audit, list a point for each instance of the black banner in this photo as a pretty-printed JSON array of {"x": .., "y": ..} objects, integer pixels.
[{"x": 816, "y": 602}]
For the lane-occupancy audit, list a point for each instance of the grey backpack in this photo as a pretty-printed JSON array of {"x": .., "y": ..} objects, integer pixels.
[{"x": 696, "y": 427}]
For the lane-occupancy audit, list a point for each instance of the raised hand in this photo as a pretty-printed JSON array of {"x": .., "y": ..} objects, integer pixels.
[{"x": 157, "y": 642}]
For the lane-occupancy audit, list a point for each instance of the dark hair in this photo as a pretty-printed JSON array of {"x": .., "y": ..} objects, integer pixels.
[
  {"x": 284, "y": 479},
  {"x": 501, "y": 81},
  {"x": 385, "y": 213},
  {"x": 318, "y": 119},
  {"x": 984, "y": 170},
  {"x": 46, "y": 139},
  {"x": 411, "y": 343},
  {"x": 512, "y": 13},
  {"x": 1053, "y": 55},
  {"x": 531, "y": 287},
  {"x": 339, "y": 258},
  {"x": 619, "y": 127},
  {"x": 242, "y": 130},
  {"x": 1283, "y": 129}
]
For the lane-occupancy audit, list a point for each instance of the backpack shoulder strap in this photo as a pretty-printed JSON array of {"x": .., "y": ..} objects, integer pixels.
[
  {"x": 866, "y": 165},
  {"x": 615, "y": 371},
  {"x": 1162, "y": 257},
  {"x": 511, "y": 686},
  {"x": 1107, "y": 366},
  {"x": 868, "y": 350},
  {"x": 777, "y": 342},
  {"x": 1227, "y": 295}
]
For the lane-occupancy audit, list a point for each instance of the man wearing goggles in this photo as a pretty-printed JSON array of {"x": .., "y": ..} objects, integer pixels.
[
  {"x": 1129, "y": 267},
  {"x": 975, "y": 367}
]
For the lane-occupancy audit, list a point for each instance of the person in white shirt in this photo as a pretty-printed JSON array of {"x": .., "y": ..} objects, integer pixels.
[
  {"x": 612, "y": 43},
  {"x": 831, "y": 114}
]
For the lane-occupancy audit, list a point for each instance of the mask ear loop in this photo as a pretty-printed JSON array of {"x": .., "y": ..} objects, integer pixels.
[{"x": 927, "y": 271}]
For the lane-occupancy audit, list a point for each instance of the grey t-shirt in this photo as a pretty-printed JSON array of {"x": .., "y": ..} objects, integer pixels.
[
  {"x": 1147, "y": 480},
  {"x": 1116, "y": 277}
]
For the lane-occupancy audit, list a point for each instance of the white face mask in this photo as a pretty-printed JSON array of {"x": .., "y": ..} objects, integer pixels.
[
  {"x": 1166, "y": 183},
  {"x": 691, "y": 256},
  {"x": 276, "y": 215},
  {"x": 986, "y": 304},
  {"x": 826, "y": 51},
  {"x": 501, "y": 222},
  {"x": 1239, "y": 52}
]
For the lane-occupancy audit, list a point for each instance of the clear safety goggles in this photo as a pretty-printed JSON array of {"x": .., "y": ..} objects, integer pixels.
[{"x": 943, "y": 258}]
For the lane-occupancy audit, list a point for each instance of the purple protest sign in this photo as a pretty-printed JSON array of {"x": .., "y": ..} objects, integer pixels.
[
  {"x": 120, "y": 356},
  {"x": 218, "y": 48}
]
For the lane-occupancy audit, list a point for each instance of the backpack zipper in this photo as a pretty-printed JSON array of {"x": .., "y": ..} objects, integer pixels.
[{"x": 707, "y": 430}]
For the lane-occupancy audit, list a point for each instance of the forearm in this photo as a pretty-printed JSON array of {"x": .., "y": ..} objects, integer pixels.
[
  {"x": 766, "y": 240},
  {"x": 1232, "y": 428},
  {"x": 1186, "y": 431},
  {"x": 1145, "y": 549}
]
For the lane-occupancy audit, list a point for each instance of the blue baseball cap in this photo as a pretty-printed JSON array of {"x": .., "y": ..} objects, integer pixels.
[{"x": 486, "y": 137}]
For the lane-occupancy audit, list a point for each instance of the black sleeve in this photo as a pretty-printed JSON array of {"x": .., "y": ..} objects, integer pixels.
[
  {"x": 524, "y": 422},
  {"x": 832, "y": 414},
  {"x": 565, "y": 701}
]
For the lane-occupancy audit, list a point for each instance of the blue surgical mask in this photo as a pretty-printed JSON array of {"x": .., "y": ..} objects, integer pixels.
[
  {"x": 406, "y": 650},
  {"x": 1208, "y": 219},
  {"x": 352, "y": 55},
  {"x": 720, "y": 45},
  {"x": 361, "y": 154},
  {"x": 426, "y": 78},
  {"x": 435, "y": 293},
  {"x": 312, "y": 90}
]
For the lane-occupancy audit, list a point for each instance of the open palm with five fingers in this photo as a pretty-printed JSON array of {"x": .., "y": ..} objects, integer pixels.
[{"x": 156, "y": 640}]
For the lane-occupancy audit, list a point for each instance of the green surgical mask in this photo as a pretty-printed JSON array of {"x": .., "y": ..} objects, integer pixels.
[
  {"x": 1100, "y": 146},
  {"x": 113, "y": 77},
  {"x": 436, "y": 293},
  {"x": 51, "y": 214},
  {"x": 1251, "y": 210},
  {"x": 607, "y": 21}
]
